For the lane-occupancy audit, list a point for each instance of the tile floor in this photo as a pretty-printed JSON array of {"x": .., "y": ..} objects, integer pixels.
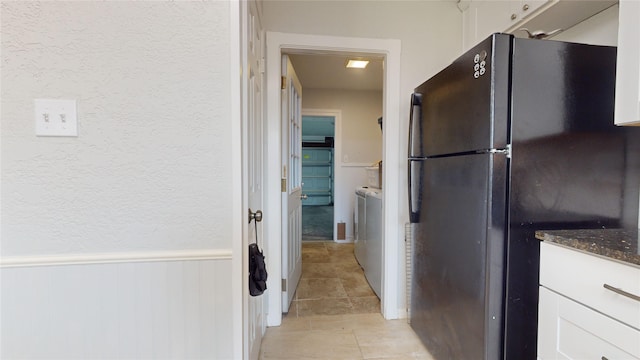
[
  {"x": 336, "y": 315},
  {"x": 351, "y": 336},
  {"x": 332, "y": 282}
]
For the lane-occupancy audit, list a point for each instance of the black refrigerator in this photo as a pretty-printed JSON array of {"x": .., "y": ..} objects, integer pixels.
[{"x": 514, "y": 136}]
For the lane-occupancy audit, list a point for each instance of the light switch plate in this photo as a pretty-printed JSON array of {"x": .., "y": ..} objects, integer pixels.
[{"x": 56, "y": 117}]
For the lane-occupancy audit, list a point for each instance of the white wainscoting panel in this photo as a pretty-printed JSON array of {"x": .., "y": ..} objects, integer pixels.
[{"x": 122, "y": 310}]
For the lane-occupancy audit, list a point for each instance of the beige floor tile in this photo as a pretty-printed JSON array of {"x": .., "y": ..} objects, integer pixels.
[
  {"x": 318, "y": 270},
  {"x": 356, "y": 285},
  {"x": 315, "y": 257},
  {"x": 346, "y": 322},
  {"x": 320, "y": 289},
  {"x": 395, "y": 339},
  {"x": 291, "y": 323},
  {"x": 365, "y": 305},
  {"x": 324, "y": 307},
  {"x": 341, "y": 249},
  {"x": 311, "y": 345},
  {"x": 348, "y": 267},
  {"x": 306, "y": 244},
  {"x": 340, "y": 257}
]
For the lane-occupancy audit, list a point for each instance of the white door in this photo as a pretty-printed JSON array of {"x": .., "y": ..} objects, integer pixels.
[
  {"x": 253, "y": 159},
  {"x": 291, "y": 182}
]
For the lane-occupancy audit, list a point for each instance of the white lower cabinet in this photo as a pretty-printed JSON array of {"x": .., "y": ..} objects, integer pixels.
[
  {"x": 569, "y": 330},
  {"x": 578, "y": 318}
]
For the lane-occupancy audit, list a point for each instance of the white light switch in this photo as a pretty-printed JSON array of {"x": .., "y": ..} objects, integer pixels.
[{"x": 55, "y": 117}]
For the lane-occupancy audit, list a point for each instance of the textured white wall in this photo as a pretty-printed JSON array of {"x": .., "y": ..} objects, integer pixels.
[
  {"x": 361, "y": 136},
  {"x": 148, "y": 177},
  {"x": 150, "y": 167}
]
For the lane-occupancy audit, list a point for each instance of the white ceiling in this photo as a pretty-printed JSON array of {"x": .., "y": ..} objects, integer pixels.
[{"x": 329, "y": 72}]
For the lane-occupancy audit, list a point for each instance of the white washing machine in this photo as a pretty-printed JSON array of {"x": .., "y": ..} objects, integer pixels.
[
  {"x": 374, "y": 249},
  {"x": 359, "y": 225},
  {"x": 368, "y": 235}
]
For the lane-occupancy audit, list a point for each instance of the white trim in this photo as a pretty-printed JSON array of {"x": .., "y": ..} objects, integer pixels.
[
  {"x": 337, "y": 154},
  {"x": 355, "y": 164},
  {"x": 110, "y": 258},
  {"x": 237, "y": 208},
  {"x": 390, "y": 49},
  {"x": 237, "y": 269}
]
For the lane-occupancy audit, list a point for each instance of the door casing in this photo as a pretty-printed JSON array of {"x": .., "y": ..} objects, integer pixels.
[{"x": 279, "y": 43}]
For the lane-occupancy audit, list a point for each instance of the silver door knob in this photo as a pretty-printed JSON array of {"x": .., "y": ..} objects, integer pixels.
[
  {"x": 257, "y": 216},
  {"x": 304, "y": 196}
]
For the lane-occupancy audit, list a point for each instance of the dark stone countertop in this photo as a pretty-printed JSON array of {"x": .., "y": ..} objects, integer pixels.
[{"x": 617, "y": 244}]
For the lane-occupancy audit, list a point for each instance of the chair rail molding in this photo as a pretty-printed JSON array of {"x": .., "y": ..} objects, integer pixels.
[{"x": 108, "y": 258}]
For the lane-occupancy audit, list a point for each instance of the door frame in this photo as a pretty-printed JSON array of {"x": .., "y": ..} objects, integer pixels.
[
  {"x": 337, "y": 154},
  {"x": 237, "y": 206},
  {"x": 277, "y": 44}
]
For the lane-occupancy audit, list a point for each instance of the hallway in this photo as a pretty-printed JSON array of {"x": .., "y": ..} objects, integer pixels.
[{"x": 336, "y": 315}]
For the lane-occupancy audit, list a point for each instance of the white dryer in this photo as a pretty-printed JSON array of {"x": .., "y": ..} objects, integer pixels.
[
  {"x": 359, "y": 224},
  {"x": 373, "y": 246}
]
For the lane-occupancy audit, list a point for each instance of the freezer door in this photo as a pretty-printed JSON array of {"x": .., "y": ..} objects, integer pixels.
[
  {"x": 416, "y": 150},
  {"x": 458, "y": 259},
  {"x": 465, "y": 107}
]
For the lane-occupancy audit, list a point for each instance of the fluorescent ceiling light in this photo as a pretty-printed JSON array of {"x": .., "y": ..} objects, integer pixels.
[{"x": 357, "y": 64}]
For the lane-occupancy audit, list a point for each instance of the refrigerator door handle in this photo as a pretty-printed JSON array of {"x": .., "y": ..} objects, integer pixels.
[
  {"x": 415, "y": 189},
  {"x": 415, "y": 126}
]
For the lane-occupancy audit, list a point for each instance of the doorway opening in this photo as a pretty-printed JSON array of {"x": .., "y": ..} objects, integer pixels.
[
  {"x": 388, "y": 49},
  {"x": 318, "y": 134}
]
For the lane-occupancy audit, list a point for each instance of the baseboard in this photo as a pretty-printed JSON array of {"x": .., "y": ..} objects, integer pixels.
[{"x": 106, "y": 258}]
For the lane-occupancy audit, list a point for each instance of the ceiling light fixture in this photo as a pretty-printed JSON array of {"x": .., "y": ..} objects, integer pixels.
[{"x": 357, "y": 64}]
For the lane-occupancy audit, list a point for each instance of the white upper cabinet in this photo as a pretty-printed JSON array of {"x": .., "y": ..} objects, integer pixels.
[
  {"x": 628, "y": 66},
  {"x": 484, "y": 17}
]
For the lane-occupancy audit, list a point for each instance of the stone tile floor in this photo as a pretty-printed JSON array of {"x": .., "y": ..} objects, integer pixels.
[
  {"x": 332, "y": 282},
  {"x": 351, "y": 336},
  {"x": 336, "y": 315}
]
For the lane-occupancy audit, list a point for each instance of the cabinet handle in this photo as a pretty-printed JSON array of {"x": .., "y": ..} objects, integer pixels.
[
  {"x": 525, "y": 7},
  {"x": 514, "y": 16},
  {"x": 621, "y": 292}
]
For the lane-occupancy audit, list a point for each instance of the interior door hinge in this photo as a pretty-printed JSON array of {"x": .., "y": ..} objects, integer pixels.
[
  {"x": 283, "y": 82},
  {"x": 261, "y": 65},
  {"x": 284, "y": 284},
  {"x": 283, "y": 185}
]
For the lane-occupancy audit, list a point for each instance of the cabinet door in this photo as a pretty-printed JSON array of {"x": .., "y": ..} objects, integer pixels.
[
  {"x": 485, "y": 17},
  {"x": 492, "y": 16},
  {"x": 469, "y": 22},
  {"x": 569, "y": 330},
  {"x": 524, "y": 9},
  {"x": 628, "y": 67}
]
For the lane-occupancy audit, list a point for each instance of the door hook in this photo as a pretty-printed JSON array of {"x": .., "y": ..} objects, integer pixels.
[{"x": 257, "y": 216}]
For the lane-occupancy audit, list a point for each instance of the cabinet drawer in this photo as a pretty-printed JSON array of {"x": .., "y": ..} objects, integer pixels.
[
  {"x": 581, "y": 277},
  {"x": 569, "y": 330}
]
